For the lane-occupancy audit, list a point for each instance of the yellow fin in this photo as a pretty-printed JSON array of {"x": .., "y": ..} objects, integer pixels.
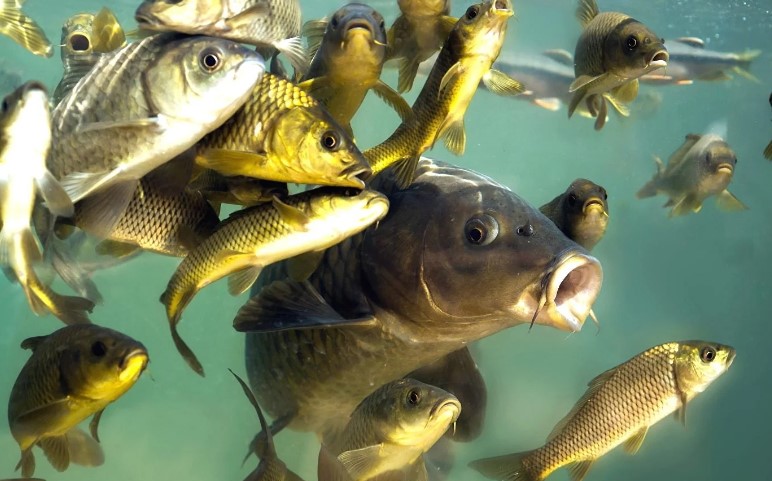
[
  {"x": 107, "y": 32},
  {"x": 621, "y": 108},
  {"x": 502, "y": 84},
  {"x": 727, "y": 202},
  {"x": 186, "y": 352},
  {"x": 768, "y": 151},
  {"x": 360, "y": 463},
  {"x": 302, "y": 266},
  {"x": 405, "y": 171},
  {"x": 230, "y": 162},
  {"x": 627, "y": 92},
  {"x": 509, "y": 466},
  {"x": 313, "y": 30},
  {"x": 240, "y": 281},
  {"x": 57, "y": 451},
  {"x": 393, "y": 99},
  {"x": 586, "y": 11},
  {"x": 579, "y": 470},
  {"x": 600, "y": 121},
  {"x": 686, "y": 205},
  {"x": 296, "y": 218},
  {"x": 455, "y": 70},
  {"x": 23, "y": 30},
  {"x": 452, "y": 130},
  {"x": 633, "y": 443},
  {"x": 408, "y": 68},
  {"x": 116, "y": 249}
]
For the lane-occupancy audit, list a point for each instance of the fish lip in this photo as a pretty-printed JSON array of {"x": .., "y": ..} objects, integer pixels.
[
  {"x": 75, "y": 39},
  {"x": 441, "y": 404},
  {"x": 359, "y": 24},
  {"x": 659, "y": 59},
  {"x": 570, "y": 291},
  {"x": 725, "y": 168},
  {"x": 354, "y": 172},
  {"x": 730, "y": 358},
  {"x": 131, "y": 355},
  {"x": 506, "y": 11},
  {"x": 592, "y": 202}
]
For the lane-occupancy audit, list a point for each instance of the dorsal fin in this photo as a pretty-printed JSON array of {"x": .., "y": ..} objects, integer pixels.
[
  {"x": 592, "y": 388},
  {"x": 586, "y": 11},
  {"x": 32, "y": 343}
]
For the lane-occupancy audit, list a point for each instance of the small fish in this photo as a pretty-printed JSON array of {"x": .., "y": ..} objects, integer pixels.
[
  {"x": 23, "y": 175},
  {"x": 72, "y": 374},
  {"x": 619, "y": 407},
  {"x": 703, "y": 166},
  {"x": 274, "y": 23},
  {"x": 581, "y": 212},
  {"x": 85, "y": 38},
  {"x": 611, "y": 53},
  {"x": 271, "y": 468},
  {"x": 284, "y": 135},
  {"x": 768, "y": 149},
  {"x": 253, "y": 238},
  {"x": 438, "y": 112},
  {"x": 140, "y": 107},
  {"x": 237, "y": 190},
  {"x": 348, "y": 62},
  {"x": 689, "y": 61},
  {"x": 390, "y": 430},
  {"x": 22, "y": 29},
  {"x": 420, "y": 30}
]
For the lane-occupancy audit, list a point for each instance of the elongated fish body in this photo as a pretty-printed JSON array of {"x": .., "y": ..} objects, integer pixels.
[
  {"x": 690, "y": 61},
  {"x": 702, "y": 167},
  {"x": 619, "y": 407},
  {"x": 85, "y": 38},
  {"x": 22, "y": 29},
  {"x": 72, "y": 374},
  {"x": 143, "y": 105},
  {"x": 261, "y": 235},
  {"x": 348, "y": 62},
  {"x": 611, "y": 53},
  {"x": 389, "y": 431},
  {"x": 237, "y": 190},
  {"x": 409, "y": 303},
  {"x": 581, "y": 212},
  {"x": 283, "y": 134},
  {"x": 438, "y": 112},
  {"x": 273, "y": 23},
  {"x": 420, "y": 31}
]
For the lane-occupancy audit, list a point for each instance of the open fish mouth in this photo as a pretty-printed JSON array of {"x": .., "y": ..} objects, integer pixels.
[
  {"x": 659, "y": 59},
  {"x": 450, "y": 406},
  {"x": 725, "y": 168},
  {"x": 133, "y": 364},
  {"x": 568, "y": 292},
  {"x": 79, "y": 43},
  {"x": 594, "y": 204},
  {"x": 503, "y": 7},
  {"x": 357, "y": 174}
]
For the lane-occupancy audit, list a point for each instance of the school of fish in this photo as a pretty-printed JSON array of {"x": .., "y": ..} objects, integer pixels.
[{"x": 370, "y": 280}]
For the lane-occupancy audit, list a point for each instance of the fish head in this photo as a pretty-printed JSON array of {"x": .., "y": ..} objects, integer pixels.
[
  {"x": 698, "y": 363},
  {"x": 355, "y": 35},
  {"x": 424, "y": 8},
  {"x": 481, "y": 30},
  {"x": 22, "y": 110},
  {"x": 467, "y": 257},
  {"x": 202, "y": 80},
  {"x": 716, "y": 162},
  {"x": 585, "y": 205},
  {"x": 407, "y": 412},
  {"x": 315, "y": 149},
  {"x": 632, "y": 50},
  {"x": 102, "y": 364},
  {"x": 182, "y": 15},
  {"x": 346, "y": 210},
  {"x": 76, "y": 35}
]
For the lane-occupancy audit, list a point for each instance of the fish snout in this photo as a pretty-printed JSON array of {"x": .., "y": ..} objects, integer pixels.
[
  {"x": 358, "y": 25},
  {"x": 133, "y": 364},
  {"x": 356, "y": 175},
  {"x": 725, "y": 168},
  {"x": 659, "y": 59},
  {"x": 594, "y": 205},
  {"x": 450, "y": 407},
  {"x": 503, "y": 7},
  {"x": 570, "y": 291}
]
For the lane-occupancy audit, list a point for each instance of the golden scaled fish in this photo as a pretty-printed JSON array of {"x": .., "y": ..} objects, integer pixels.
[
  {"x": 389, "y": 431},
  {"x": 23, "y": 175},
  {"x": 350, "y": 52},
  {"x": 72, "y": 374},
  {"x": 253, "y": 238},
  {"x": 702, "y": 167},
  {"x": 438, "y": 112},
  {"x": 236, "y": 190},
  {"x": 619, "y": 407},
  {"x": 139, "y": 108},
  {"x": 581, "y": 212},
  {"x": 419, "y": 31},
  {"x": 284, "y": 135},
  {"x": 22, "y": 29},
  {"x": 274, "y": 23},
  {"x": 271, "y": 468},
  {"x": 613, "y": 50},
  {"x": 85, "y": 38}
]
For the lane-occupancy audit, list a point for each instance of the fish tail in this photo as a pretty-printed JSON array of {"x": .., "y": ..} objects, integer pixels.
[
  {"x": 69, "y": 309},
  {"x": 650, "y": 189},
  {"x": 19, "y": 249},
  {"x": 23, "y": 30},
  {"x": 186, "y": 352},
  {"x": 506, "y": 468},
  {"x": 744, "y": 68},
  {"x": 26, "y": 463}
]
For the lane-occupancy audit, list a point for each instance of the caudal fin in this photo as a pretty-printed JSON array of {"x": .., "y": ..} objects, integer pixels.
[
  {"x": 743, "y": 69},
  {"x": 506, "y": 468},
  {"x": 23, "y": 30}
]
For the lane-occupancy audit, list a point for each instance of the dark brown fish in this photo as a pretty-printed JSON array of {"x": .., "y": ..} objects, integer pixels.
[{"x": 581, "y": 212}]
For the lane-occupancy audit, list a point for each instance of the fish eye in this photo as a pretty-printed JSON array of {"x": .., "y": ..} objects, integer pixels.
[
  {"x": 631, "y": 42},
  {"x": 98, "y": 349},
  {"x": 6, "y": 106},
  {"x": 472, "y": 12},
  {"x": 334, "y": 22},
  {"x": 413, "y": 397},
  {"x": 525, "y": 230},
  {"x": 330, "y": 141},
  {"x": 707, "y": 354},
  {"x": 482, "y": 230},
  {"x": 210, "y": 59},
  {"x": 572, "y": 198}
]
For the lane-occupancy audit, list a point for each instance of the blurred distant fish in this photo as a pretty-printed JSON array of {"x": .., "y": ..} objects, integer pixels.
[
  {"x": 85, "y": 37},
  {"x": 274, "y": 23},
  {"x": 619, "y": 407},
  {"x": 690, "y": 60},
  {"x": 253, "y": 238},
  {"x": 611, "y": 53},
  {"x": 703, "y": 166},
  {"x": 348, "y": 62},
  {"x": 419, "y": 31},
  {"x": 72, "y": 374},
  {"x": 271, "y": 468},
  {"x": 768, "y": 149},
  {"x": 284, "y": 135},
  {"x": 438, "y": 112},
  {"x": 22, "y": 29},
  {"x": 581, "y": 212},
  {"x": 139, "y": 108},
  {"x": 390, "y": 430}
]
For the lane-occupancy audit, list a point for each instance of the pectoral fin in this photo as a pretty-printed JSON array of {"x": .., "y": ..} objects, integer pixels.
[
  {"x": 288, "y": 304},
  {"x": 452, "y": 130},
  {"x": 502, "y": 84},
  {"x": 726, "y": 201},
  {"x": 115, "y": 249},
  {"x": 231, "y": 162},
  {"x": 363, "y": 463},
  {"x": 625, "y": 93},
  {"x": 688, "y": 204},
  {"x": 93, "y": 426},
  {"x": 99, "y": 213},
  {"x": 294, "y": 217},
  {"x": 84, "y": 450},
  {"x": 454, "y": 71},
  {"x": 393, "y": 100},
  {"x": 57, "y": 450},
  {"x": 56, "y": 198},
  {"x": 633, "y": 443},
  {"x": 579, "y": 470},
  {"x": 302, "y": 266},
  {"x": 408, "y": 68},
  {"x": 240, "y": 281},
  {"x": 550, "y": 103}
]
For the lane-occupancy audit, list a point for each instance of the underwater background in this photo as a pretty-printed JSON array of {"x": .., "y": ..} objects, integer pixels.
[{"x": 703, "y": 276}]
